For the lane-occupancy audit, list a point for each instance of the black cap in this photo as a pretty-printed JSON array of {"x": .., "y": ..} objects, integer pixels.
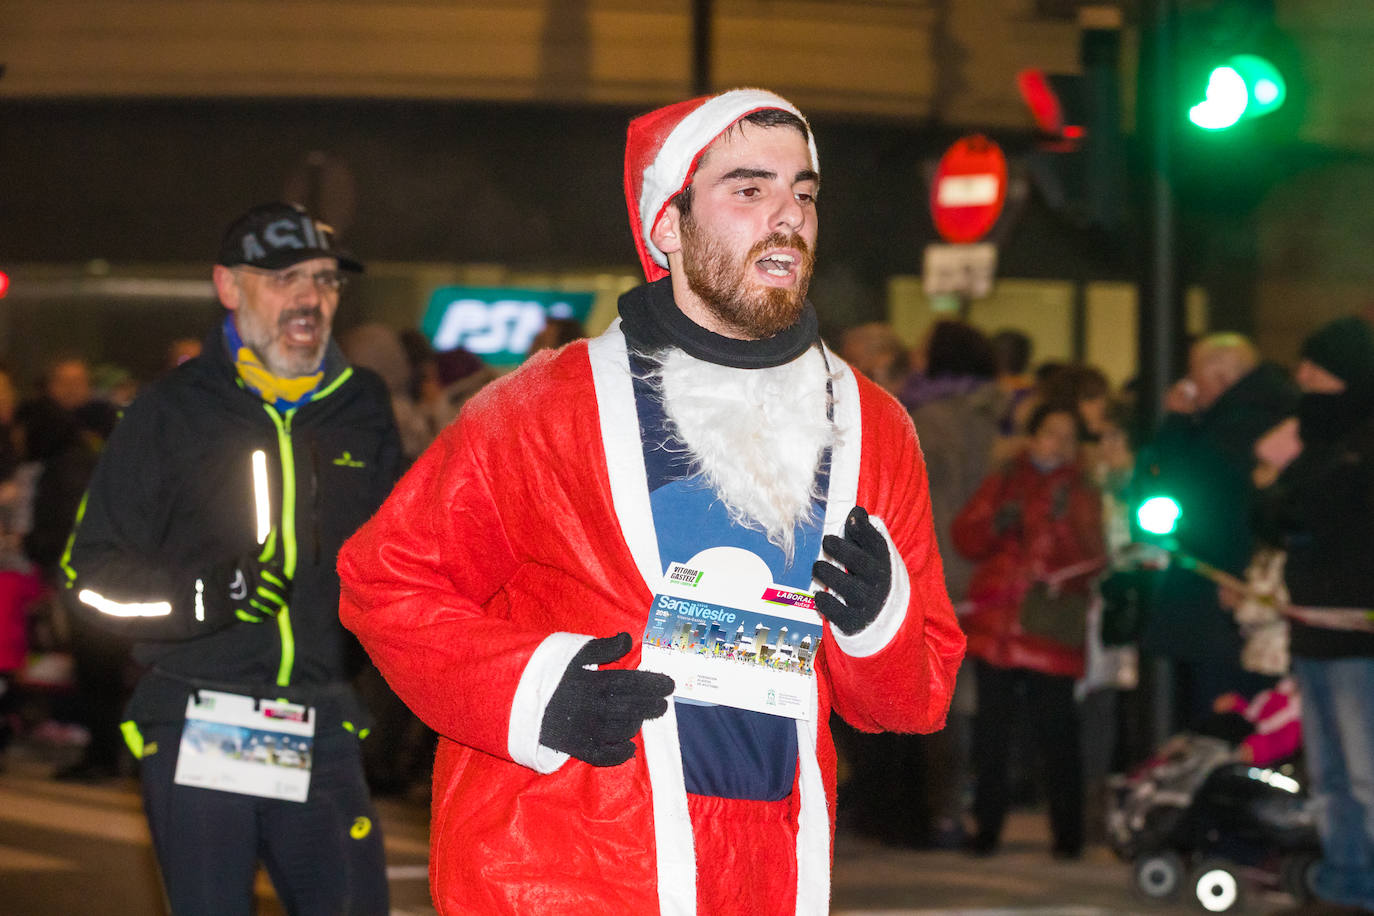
[{"x": 276, "y": 235}]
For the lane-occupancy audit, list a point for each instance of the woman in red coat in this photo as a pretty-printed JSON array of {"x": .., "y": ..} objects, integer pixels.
[{"x": 1035, "y": 530}]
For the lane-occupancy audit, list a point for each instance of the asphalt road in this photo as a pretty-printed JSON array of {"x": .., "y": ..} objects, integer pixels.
[{"x": 68, "y": 850}]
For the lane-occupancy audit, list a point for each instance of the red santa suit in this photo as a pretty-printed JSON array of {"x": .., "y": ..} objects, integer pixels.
[{"x": 526, "y": 530}]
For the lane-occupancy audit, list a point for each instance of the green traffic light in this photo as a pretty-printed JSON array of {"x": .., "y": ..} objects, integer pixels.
[
  {"x": 1159, "y": 515},
  {"x": 1246, "y": 86},
  {"x": 1267, "y": 87},
  {"x": 1227, "y": 98},
  {"x": 1266, "y": 92}
]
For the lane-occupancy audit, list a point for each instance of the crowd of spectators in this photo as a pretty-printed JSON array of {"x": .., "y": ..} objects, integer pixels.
[
  {"x": 1081, "y": 654},
  {"x": 1090, "y": 643}
]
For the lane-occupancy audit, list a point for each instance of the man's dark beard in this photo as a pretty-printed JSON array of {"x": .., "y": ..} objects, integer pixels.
[{"x": 721, "y": 282}]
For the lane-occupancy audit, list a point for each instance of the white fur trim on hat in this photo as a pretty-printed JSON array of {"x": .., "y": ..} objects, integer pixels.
[{"x": 671, "y": 169}]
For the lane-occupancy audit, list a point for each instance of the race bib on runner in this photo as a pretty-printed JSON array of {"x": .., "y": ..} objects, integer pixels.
[
  {"x": 234, "y": 743},
  {"x": 727, "y": 634}
]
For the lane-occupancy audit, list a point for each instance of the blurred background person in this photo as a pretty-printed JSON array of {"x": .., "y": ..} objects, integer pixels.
[
  {"x": 1083, "y": 388},
  {"x": 877, "y": 351},
  {"x": 377, "y": 347},
  {"x": 1202, "y": 455},
  {"x": 20, "y": 589},
  {"x": 555, "y": 333},
  {"x": 113, "y": 385},
  {"x": 1320, "y": 510},
  {"x": 1111, "y": 664},
  {"x": 909, "y": 790},
  {"x": 20, "y": 585},
  {"x": 180, "y": 350},
  {"x": 15, "y": 494},
  {"x": 460, "y": 374},
  {"x": 883, "y": 795},
  {"x": 1012, "y": 438},
  {"x": 1034, "y": 529},
  {"x": 1013, "y": 349},
  {"x": 424, "y": 373},
  {"x": 9, "y": 432},
  {"x": 957, "y": 407},
  {"x": 1266, "y": 729},
  {"x": 63, "y": 431},
  {"x": 1107, "y": 456}
]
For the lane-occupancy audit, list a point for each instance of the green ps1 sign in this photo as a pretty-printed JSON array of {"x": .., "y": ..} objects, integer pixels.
[{"x": 496, "y": 323}]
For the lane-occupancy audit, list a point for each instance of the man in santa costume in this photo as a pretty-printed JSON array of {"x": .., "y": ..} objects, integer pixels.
[{"x": 708, "y": 440}]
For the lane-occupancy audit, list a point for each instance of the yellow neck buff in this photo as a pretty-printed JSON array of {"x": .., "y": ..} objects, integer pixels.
[{"x": 283, "y": 393}]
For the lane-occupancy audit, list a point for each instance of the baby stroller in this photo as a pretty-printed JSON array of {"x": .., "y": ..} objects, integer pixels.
[{"x": 1193, "y": 817}]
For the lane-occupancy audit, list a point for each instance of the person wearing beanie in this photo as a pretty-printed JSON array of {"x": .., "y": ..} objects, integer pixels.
[
  {"x": 208, "y": 536},
  {"x": 1320, "y": 511},
  {"x": 630, "y": 583},
  {"x": 1336, "y": 375}
]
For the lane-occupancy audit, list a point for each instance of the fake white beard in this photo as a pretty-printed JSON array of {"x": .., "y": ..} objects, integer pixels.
[{"x": 755, "y": 435}]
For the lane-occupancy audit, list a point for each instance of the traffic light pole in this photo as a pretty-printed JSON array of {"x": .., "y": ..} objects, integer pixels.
[
  {"x": 701, "y": 47},
  {"x": 1161, "y": 301}
]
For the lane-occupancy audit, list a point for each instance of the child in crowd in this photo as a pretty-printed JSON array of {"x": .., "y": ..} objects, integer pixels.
[
  {"x": 20, "y": 587},
  {"x": 1267, "y": 727}
]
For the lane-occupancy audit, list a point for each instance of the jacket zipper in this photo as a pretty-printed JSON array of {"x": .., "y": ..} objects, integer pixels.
[
  {"x": 288, "y": 519},
  {"x": 288, "y": 535},
  {"x": 315, "y": 500}
]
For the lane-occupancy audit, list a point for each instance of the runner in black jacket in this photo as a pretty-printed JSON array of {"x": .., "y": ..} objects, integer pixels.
[{"x": 225, "y": 577}]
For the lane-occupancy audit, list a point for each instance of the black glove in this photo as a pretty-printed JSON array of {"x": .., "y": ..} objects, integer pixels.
[
  {"x": 863, "y": 552},
  {"x": 593, "y": 714},
  {"x": 252, "y": 588}
]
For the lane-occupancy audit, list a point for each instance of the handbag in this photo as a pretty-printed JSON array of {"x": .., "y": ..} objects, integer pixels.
[
  {"x": 1057, "y": 616},
  {"x": 1049, "y": 612}
]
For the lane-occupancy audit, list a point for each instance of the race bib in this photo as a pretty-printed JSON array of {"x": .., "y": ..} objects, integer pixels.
[
  {"x": 727, "y": 634},
  {"x": 234, "y": 743}
]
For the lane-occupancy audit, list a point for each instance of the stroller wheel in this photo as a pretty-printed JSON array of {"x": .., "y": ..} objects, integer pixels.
[
  {"x": 1216, "y": 887},
  {"x": 1159, "y": 875},
  {"x": 1295, "y": 875}
]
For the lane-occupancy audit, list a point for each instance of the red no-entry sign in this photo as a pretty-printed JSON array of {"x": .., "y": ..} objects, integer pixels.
[{"x": 969, "y": 189}]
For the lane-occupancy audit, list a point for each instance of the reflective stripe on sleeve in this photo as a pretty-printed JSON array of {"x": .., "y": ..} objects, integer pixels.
[
  {"x": 124, "y": 609},
  {"x": 132, "y": 737}
]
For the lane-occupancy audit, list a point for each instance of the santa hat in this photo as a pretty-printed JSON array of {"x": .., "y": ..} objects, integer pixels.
[{"x": 663, "y": 147}]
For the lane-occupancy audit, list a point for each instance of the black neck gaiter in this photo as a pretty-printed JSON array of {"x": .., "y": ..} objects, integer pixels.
[
  {"x": 1328, "y": 417},
  {"x": 652, "y": 321}
]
